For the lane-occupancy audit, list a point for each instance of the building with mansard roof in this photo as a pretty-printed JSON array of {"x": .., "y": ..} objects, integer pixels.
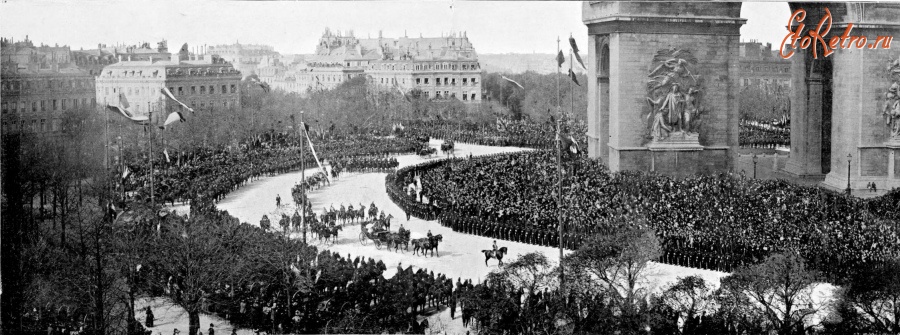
[
  {"x": 39, "y": 85},
  {"x": 204, "y": 82},
  {"x": 440, "y": 67}
]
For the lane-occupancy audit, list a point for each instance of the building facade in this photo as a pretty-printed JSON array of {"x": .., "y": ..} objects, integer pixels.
[
  {"x": 441, "y": 67},
  {"x": 39, "y": 85},
  {"x": 246, "y": 58},
  {"x": 202, "y": 82},
  {"x": 762, "y": 67}
]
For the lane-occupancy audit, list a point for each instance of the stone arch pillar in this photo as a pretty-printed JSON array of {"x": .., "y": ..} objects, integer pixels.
[{"x": 654, "y": 47}]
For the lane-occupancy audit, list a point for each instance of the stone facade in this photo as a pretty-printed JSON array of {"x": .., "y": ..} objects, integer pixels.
[
  {"x": 861, "y": 80},
  {"x": 628, "y": 43},
  {"x": 202, "y": 82},
  {"x": 246, "y": 58},
  {"x": 761, "y": 66},
  {"x": 442, "y": 68},
  {"x": 38, "y": 85}
]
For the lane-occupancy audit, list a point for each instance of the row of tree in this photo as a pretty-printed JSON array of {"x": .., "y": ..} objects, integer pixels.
[{"x": 609, "y": 289}]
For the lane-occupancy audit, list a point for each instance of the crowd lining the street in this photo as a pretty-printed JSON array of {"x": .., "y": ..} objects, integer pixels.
[{"x": 715, "y": 222}]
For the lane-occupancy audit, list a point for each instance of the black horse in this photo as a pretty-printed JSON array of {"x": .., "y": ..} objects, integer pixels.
[
  {"x": 427, "y": 244},
  {"x": 488, "y": 254}
]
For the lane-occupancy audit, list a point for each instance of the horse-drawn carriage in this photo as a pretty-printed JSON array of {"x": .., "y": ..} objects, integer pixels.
[
  {"x": 382, "y": 236},
  {"x": 426, "y": 151},
  {"x": 448, "y": 146}
]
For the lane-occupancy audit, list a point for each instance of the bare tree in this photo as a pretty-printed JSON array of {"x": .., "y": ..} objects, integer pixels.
[{"x": 781, "y": 287}]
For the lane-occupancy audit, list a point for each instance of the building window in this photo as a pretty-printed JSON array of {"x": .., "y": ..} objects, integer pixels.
[
  {"x": 4, "y": 106},
  {"x": 453, "y": 95},
  {"x": 453, "y": 81},
  {"x": 172, "y": 90},
  {"x": 465, "y": 81},
  {"x": 224, "y": 89},
  {"x": 465, "y": 97},
  {"x": 426, "y": 81},
  {"x": 43, "y": 125},
  {"x": 446, "y": 93},
  {"x": 63, "y": 104},
  {"x": 473, "y": 96},
  {"x": 212, "y": 89},
  {"x": 233, "y": 88},
  {"x": 54, "y": 104},
  {"x": 418, "y": 81},
  {"x": 22, "y": 107},
  {"x": 33, "y": 125},
  {"x": 437, "y": 81},
  {"x": 202, "y": 104},
  {"x": 193, "y": 89},
  {"x": 75, "y": 103},
  {"x": 93, "y": 102},
  {"x": 34, "y": 106},
  {"x": 43, "y": 106},
  {"x": 426, "y": 94},
  {"x": 202, "y": 89}
]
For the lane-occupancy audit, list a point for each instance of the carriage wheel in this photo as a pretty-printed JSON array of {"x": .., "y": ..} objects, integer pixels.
[
  {"x": 378, "y": 244},
  {"x": 362, "y": 238}
]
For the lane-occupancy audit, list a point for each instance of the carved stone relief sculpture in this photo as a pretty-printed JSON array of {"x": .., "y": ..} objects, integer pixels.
[{"x": 673, "y": 94}]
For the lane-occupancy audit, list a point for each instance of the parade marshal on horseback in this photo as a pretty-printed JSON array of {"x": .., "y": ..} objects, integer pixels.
[{"x": 495, "y": 253}]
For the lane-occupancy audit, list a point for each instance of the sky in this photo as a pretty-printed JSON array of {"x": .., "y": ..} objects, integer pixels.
[{"x": 295, "y": 27}]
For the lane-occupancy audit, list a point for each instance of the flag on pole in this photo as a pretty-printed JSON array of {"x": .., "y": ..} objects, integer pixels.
[
  {"x": 567, "y": 144},
  {"x": 126, "y": 173},
  {"x": 575, "y": 51},
  {"x": 560, "y": 59},
  {"x": 311, "y": 148},
  {"x": 173, "y": 117},
  {"x": 166, "y": 152},
  {"x": 512, "y": 81},
  {"x": 122, "y": 109},
  {"x": 573, "y": 77},
  {"x": 165, "y": 91}
]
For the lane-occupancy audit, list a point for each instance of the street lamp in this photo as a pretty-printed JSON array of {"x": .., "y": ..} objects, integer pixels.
[
  {"x": 849, "y": 158},
  {"x": 755, "y": 160}
]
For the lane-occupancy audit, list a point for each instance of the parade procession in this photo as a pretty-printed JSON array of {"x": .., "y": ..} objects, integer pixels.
[{"x": 606, "y": 167}]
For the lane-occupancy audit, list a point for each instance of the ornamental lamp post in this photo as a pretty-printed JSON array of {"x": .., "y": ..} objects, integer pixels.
[{"x": 849, "y": 159}]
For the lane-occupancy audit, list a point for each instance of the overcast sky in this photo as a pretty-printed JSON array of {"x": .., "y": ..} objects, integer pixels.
[{"x": 294, "y": 27}]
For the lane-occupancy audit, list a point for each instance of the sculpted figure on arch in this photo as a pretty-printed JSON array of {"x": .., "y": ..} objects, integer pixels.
[{"x": 673, "y": 94}]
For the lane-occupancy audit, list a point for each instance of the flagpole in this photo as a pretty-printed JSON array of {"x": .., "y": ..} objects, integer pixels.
[
  {"x": 106, "y": 138},
  {"x": 150, "y": 155},
  {"x": 559, "y": 176},
  {"x": 302, "y": 179}
]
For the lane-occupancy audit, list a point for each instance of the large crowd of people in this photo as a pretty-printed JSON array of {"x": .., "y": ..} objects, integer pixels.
[
  {"x": 503, "y": 133},
  {"x": 756, "y": 134},
  {"x": 208, "y": 175},
  {"x": 715, "y": 222}
]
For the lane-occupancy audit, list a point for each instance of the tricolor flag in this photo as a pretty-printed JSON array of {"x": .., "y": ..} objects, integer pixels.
[
  {"x": 173, "y": 117},
  {"x": 575, "y": 51},
  {"x": 168, "y": 94},
  {"x": 513, "y": 81},
  {"x": 122, "y": 109},
  {"x": 560, "y": 59},
  {"x": 572, "y": 76}
]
